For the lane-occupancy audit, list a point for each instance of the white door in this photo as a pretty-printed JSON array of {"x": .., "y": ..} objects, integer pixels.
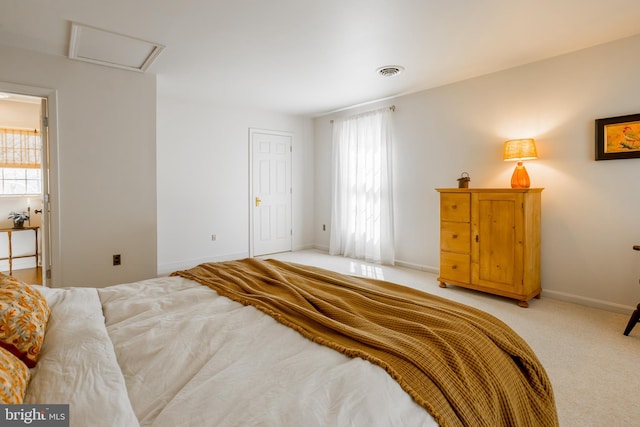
[
  {"x": 46, "y": 192},
  {"x": 270, "y": 203}
]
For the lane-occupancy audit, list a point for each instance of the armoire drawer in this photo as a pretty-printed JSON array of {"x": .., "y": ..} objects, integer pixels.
[
  {"x": 455, "y": 267},
  {"x": 455, "y": 237},
  {"x": 455, "y": 207}
]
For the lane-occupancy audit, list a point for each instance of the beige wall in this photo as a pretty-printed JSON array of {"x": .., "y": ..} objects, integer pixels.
[
  {"x": 105, "y": 176},
  {"x": 590, "y": 209},
  {"x": 103, "y": 165},
  {"x": 203, "y": 179},
  {"x": 106, "y": 172}
]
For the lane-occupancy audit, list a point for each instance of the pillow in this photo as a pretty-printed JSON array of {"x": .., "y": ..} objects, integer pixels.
[
  {"x": 14, "y": 376},
  {"x": 24, "y": 313}
]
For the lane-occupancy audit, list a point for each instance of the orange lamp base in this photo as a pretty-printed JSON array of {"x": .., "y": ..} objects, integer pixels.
[{"x": 520, "y": 177}]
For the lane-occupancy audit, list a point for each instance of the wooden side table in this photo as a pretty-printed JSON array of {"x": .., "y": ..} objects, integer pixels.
[{"x": 9, "y": 232}]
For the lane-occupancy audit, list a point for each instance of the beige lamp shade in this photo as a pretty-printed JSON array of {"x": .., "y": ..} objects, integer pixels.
[{"x": 520, "y": 149}]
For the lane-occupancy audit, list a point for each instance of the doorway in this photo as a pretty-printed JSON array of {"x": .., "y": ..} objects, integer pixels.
[
  {"x": 24, "y": 184},
  {"x": 271, "y": 192}
]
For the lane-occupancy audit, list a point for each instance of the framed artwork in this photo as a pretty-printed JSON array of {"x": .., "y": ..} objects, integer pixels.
[{"x": 618, "y": 137}]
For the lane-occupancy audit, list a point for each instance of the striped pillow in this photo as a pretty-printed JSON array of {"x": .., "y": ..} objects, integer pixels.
[
  {"x": 14, "y": 377},
  {"x": 24, "y": 313}
]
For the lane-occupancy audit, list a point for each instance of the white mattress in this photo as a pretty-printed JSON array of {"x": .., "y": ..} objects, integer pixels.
[{"x": 189, "y": 357}]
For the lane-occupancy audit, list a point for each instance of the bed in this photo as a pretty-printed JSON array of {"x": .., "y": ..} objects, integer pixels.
[{"x": 268, "y": 343}]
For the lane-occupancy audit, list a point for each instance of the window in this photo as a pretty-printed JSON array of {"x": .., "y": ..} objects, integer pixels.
[
  {"x": 362, "y": 208},
  {"x": 20, "y": 162}
]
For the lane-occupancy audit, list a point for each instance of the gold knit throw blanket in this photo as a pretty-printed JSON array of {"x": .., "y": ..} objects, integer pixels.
[{"x": 464, "y": 366}]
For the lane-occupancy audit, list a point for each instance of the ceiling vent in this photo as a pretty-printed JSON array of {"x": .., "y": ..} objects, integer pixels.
[
  {"x": 390, "y": 70},
  {"x": 103, "y": 47}
]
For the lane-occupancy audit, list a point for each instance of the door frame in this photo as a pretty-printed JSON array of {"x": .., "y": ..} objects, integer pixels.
[
  {"x": 50, "y": 235},
  {"x": 253, "y": 131}
]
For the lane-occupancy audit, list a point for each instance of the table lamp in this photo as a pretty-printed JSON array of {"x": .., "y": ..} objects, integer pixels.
[{"x": 519, "y": 150}]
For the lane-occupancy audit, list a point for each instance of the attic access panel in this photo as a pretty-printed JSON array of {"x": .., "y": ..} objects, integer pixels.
[{"x": 110, "y": 49}]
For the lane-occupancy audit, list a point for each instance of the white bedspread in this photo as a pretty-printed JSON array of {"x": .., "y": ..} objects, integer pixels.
[
  {"x": 193, "y": 358},
  {"x": 78, "y": 365}
]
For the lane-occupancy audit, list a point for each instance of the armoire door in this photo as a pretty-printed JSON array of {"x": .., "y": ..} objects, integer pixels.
[{"x": 497, "y": 246}]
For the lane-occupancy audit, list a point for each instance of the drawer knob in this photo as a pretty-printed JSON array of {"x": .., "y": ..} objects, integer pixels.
[
  {"x": 454, "y": 267},
  {"x": 455, "y": 236},
  {"x": 454, "y": 206}
]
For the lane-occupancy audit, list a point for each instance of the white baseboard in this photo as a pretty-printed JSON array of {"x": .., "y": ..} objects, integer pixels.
[
  {"x": 166, "y": 269},
  {"x": 303, "y": 247},
  {"x": 589, "y": 302},
  {"x": 562, "y": 296},
  {"x": 420, "y": 267},
  {"x": 322, "y": 248}
]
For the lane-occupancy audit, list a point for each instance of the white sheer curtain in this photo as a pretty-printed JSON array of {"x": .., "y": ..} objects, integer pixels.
[{"x": 362, "y": 203}]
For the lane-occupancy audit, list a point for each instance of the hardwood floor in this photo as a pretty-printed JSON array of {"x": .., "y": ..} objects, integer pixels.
[{"x": 28, "y": 275}]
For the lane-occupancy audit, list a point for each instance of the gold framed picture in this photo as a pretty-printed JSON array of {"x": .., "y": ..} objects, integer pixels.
[{"x": 618, "y": 137}]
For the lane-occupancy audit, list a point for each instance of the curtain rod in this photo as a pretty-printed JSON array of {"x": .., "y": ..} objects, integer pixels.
[{"x": 391, "y": 108}]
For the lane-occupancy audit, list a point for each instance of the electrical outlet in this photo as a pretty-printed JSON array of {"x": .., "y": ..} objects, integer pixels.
[
  {"x": 116, "y": 259},
  {"x": 214, "y": 237}
]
